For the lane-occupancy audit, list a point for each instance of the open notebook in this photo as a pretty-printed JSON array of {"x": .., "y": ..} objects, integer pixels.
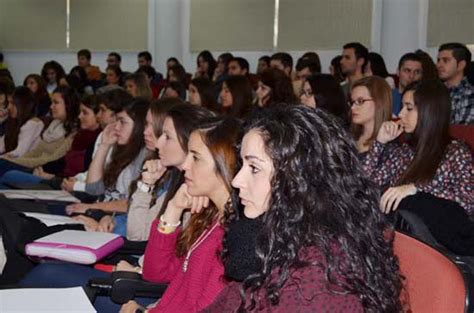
[
  {"x": 75, "y": 246},
  {"x": 71, "y": 300}
]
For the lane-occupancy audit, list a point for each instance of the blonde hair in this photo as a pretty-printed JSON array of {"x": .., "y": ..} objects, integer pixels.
[{"x": 143, "y": 87}]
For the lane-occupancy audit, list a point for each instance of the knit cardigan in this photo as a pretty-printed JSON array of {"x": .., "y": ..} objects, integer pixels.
[{"x": 189, "y": 291}]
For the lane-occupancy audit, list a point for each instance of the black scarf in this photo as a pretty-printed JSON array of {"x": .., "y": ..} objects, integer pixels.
[{"x": 240, "y": 243}]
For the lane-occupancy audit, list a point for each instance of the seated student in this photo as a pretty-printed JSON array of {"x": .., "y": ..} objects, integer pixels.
[
  {"x": 175, "y": 90},
  {"x": 336, "y": 70},
  {"x": 137, "y": 86},
  {"x": 222, "y": 70},
  {"x": 163, "y": 177},
  {"x": 113, "y": 79},
  {"x": 371, "y": 105},
  {"x": 24, "y": 128},
  {"x": 178, "y": 74},
  {"x": 304, "y": 68},
  {"x": 324, "y": 92},
  {"x": 110, "y": 104},
  {"x": 56, "y": 139},
  {"x": 274, "y": 87},
  {"x": 84, "y": 57},
  {"x": 206, "y": 65},
  {"x": 263, "y": 64},
  {"x": 6, "y": 91},
  {"x": 81, "y": 82},
  {"x": 52, "y": 74},
  {"x": 36, "y": 84},
  {"x": 284, "y": 62},
  {"x": 163, "y": 174},
  {"x": 376, "y": 66},
  {"x": 201, "y": 92},
  {"x": 236, "y": 96},
  {"x": 125, "y": 139},
  {"x": 240, "y": 66},
  {"x": 171, "y": 62},
  {"x": 309, "y": 250},
  {"x": 150, "y": 74},
  {"x": 410, "y": 69},
  {"x": 188, "y": 258},
  {"x": 76, "y": 159},
  {"x": 428, "y": 162}
]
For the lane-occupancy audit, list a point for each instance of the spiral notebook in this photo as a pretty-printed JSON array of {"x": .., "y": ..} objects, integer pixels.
[{"x": 75, "y": 246}]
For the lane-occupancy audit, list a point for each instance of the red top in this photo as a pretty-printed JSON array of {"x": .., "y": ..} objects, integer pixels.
[
  {"x": 75, "y": 158},
  {"x": 305, "y": 291},
  {"x": 189, "y": 291}
]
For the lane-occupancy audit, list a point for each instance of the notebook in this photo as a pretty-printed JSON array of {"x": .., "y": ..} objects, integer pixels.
[
  {"x": 75, "y": 246},
  {"x": 72, "y": 300}
]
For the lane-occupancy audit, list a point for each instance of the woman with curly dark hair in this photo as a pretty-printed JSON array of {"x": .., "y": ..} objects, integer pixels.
[
  {"x": 320, "y": 243},
  {"x": 274, "y": 87},
  {"x": 52, "y": 73}
]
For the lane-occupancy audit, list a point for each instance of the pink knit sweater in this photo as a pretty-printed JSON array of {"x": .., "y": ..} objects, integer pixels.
[{"x": 189, "y": 291}]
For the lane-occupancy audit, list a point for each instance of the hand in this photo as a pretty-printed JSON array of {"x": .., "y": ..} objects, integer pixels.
[
  {"x": 394, "y": 195},
  {"x": 124, "y": 266},
  {"x": 130, "y": 307},
  {"x": 41, "y": 173},
  {"x": 89, "y": 223},
  {"x": 68, "y": 184},
  {"x": 77, "y": 208},
  {"x": 153, "y": 170},
  {"x": 106, "y": 224},
  {"x": 389, "y": 131},
  {"x": 183, "y": 200},
  {"x": 110, "y": 135}
]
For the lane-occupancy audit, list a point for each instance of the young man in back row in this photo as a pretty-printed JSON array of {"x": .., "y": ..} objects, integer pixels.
[{"x": 453, "y": 62}]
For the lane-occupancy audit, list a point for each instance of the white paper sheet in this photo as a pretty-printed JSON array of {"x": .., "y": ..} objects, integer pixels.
[
  {"x": 52, "y": 219},
  {"x": 64, "y": 300},
  {"x": 55, "y": 195}
]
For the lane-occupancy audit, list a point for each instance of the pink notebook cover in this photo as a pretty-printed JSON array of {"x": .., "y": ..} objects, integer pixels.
[{"x": 74, "y": 253}]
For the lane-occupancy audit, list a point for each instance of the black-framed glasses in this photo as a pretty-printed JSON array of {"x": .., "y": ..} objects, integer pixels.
[{"x": 358, "y": 101}]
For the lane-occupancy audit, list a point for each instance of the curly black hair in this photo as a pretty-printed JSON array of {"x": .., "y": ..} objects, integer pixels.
[{"x": 321, "y": 198}]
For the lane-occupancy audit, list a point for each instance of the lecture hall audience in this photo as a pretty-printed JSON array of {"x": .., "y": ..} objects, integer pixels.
[{"x": 321, "y": 157}]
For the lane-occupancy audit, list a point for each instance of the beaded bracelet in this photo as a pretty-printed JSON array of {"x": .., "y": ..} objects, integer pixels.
[{"x": 166, "y": 228}]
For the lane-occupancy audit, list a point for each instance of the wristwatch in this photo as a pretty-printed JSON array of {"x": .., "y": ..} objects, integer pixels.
[{"x": 144, "y": 187}]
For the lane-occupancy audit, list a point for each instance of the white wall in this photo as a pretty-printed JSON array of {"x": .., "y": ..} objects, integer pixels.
[{"x": 399, "y": 26}]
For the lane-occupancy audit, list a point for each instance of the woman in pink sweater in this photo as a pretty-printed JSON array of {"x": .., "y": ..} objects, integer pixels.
[{"x": 189, "y": 257}]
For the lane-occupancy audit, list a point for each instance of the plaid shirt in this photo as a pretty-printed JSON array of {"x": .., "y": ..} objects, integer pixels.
[{"x": 462, "y": 101}]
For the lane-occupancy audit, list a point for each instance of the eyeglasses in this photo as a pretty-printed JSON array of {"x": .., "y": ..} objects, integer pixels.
[{"x": 358, "y": 102}]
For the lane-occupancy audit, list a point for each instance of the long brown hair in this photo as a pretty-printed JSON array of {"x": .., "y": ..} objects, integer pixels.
[
  {"x": 186, "y": 118},
  {"x": 431, "y": 136},
  {"x": 220, "y": 135},
  {"x": 122, "y": 156},
  {"x": 24, "y": 101},
  {"x": 241, "y": 91},
  {"x": 382, "y": 95}
]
